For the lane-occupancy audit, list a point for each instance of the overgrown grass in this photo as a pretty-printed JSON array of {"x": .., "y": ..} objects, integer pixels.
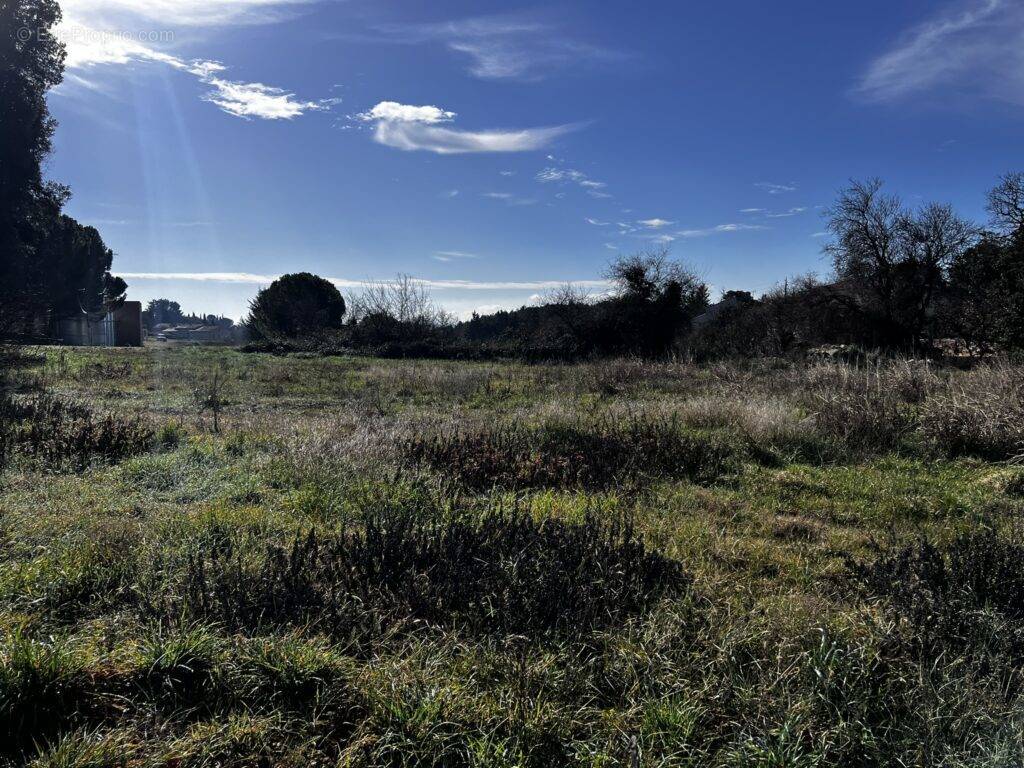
[
  {"x": 55, "y": 433},
  {"x": 504, "y": 573},
  {"x": 620, "y": 563},
  {"x": 576, "y": 454}
]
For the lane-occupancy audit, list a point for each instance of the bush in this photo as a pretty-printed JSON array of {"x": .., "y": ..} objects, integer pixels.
[
  {"x": 968, "y": 596},
  {"x": 505, "y": 573},
  {"x": 572, "y": 455},
  {"x": 57, "y": 433}
]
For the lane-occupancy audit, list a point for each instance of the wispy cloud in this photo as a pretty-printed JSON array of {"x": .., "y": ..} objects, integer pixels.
[
  {"x": 411, "y": 128},
  {"x": 786, "y": 214},
  {"x": 509, "y": 198},
  {"x": 753, "y": 210},
  {"x": 720, "y": 229},
  {"x": 89, "y": 47},
  {"x": 656, "y": 223},
  {"x": 185, "y": 12},
  {"x": 247, "y": 278},
  {"x": 554, "y": 175},
  {"x": 447, "y": 256},
  {"x": 973, "y": 47},
  {"x": 504, "y": 47},
  {"x": 776, "y": 189},
  {"x": 597, "y": 223}
]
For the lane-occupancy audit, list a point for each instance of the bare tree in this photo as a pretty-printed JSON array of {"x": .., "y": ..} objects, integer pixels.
[
  {"x": 404, "y": 299},
  {"x": 209, "y": 396},
  {"x": 895, "y": 257},
  {"x": 1006, "y": 203}
]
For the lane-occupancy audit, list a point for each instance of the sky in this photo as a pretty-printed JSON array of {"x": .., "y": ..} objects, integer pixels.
[{"x": 496, "y": 150}]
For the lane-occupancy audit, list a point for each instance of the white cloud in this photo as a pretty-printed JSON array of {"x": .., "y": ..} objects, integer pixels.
[
  {"x": 776, "y": 189},
  {"x": 549, "y": 175},
  {"x": 508, "y": 173},
  {"x": 90, "y": 46},
  {"x": 656, "y": 223},
  {"x": 786, "y": 214},
  {"x": 553, "y": 175},
  {"x": 247, "y": 278},
  {"x": 753, "y": 210},
  {"x": 393, "y": 111},
  {"x": 452, "y": 255},
  {"x": 819, "y": 234},
  {"x": 503, "y": 47},
  {"x": 597, "y": 223},
  {"x": 974, "y": 47},
  {"x": 183, "y": 12},
  {"x": 509, "y": 198},
  {"x": 412, "y": 128},
  {"x": 720, "y": 229},
  {"x": 257, "y": 100}
]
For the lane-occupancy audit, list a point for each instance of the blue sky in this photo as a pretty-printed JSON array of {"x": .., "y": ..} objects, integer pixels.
[{"x": 494, "y": 149}]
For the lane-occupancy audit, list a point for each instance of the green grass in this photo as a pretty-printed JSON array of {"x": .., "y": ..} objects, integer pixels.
[{"x": 771, "y": 656}]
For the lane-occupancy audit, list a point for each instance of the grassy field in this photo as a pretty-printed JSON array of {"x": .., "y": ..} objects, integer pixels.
[{"x": 410, "y": 563}]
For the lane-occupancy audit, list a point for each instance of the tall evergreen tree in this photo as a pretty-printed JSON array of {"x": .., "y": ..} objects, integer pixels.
[{"x": 31, "y": 63}]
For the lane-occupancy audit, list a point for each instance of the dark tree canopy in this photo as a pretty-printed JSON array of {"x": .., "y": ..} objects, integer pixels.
[
  {"x": 296, "y": 306},
  {"x": 50, "y": 265},
  {"x": 893, "y": 261},
  {"x": 161, "y": 312}
]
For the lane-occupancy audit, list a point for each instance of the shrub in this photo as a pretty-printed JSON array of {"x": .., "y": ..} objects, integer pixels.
[
  {"x": 572, "y": 455},
  {"x": 968, "y": 596},
  {"x": 56, "y": 433},
  {"x": 505, "y": 573}
]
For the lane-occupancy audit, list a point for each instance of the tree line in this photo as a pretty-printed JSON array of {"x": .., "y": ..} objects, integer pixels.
[
  {"x": 50, "y": 264},
  {"x": 912, "y": 281}
]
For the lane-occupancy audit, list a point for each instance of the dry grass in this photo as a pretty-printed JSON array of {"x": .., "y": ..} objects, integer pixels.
[{"x": 171, "y": 609}]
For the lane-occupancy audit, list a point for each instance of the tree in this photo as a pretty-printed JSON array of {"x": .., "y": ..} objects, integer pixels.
[
  {"x": 404, "y": 300},
  {"x": 74, "y": 265},
  {"x": 50, "y": 265},
  {"x": 296, "y": 306},
  {"x": 1006, "y": 204},
  {"x": 893, "y": 262},
  {"x": 29, "y": 66},
  {"x": 986, "y": 301},
  {"x": 162, "y": 312},
  {"x": 656, "y": 299}
]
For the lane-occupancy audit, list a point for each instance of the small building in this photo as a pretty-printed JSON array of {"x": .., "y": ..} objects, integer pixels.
[{"x": 121, "y": 327}]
